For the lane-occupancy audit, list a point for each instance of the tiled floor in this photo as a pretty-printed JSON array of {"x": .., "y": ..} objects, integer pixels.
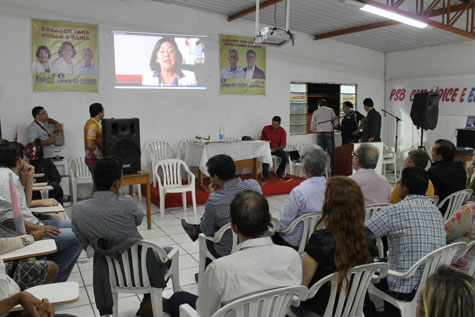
[{"x": 166, "y": 232}]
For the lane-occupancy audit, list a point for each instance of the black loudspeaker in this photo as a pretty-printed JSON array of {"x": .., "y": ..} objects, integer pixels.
[
  {"x": 121, "y": 137},
  {"x": 425, "y": 110}
]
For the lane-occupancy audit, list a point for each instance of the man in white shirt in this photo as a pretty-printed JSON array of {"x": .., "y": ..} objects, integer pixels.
[
  {"x": 232, "y": 71},
  {"x": 375, "y": 187},
  {"x": 252, "y": 71},
  {"x": 323, "y": 122},
  {"x": 257, "y": 266}
]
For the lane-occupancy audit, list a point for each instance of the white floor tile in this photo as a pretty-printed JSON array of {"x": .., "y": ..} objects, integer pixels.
[
  {"x": 75, "y": 277},
  {"x": 187, "y": 276},
  {"x": 186, "y": 261},
  {"x": 90, "y": 291},
  {"x": 85, "y": 264},
  {"x": 180, "y": 237},
  {"x": 190, "y": 247},
  {"x": 173, "y": 229},
  {"x": 127, "y": 306},
  {"x": 87, "y": 277},
  {"x": 161, "y": 241},
  {"x": 167, "y": 222},
  {"x": 196, "y": 256},
  {"x": 156, "y": 232}
]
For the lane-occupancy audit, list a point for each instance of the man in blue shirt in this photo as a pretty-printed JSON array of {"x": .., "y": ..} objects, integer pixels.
[{"x": 303, "y": 199}]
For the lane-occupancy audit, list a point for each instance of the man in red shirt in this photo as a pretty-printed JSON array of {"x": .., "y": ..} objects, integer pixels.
[{"x": 278, "y": 140}]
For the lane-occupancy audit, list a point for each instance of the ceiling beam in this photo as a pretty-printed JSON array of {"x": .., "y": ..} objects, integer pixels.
[
  {"x": 431, "y": 13},
  {"x": 252, "y": 9},
  {"x": 355, "y": 29}
]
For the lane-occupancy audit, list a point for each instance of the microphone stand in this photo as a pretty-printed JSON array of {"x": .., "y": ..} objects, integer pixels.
[{"x": 397, "y": 121}]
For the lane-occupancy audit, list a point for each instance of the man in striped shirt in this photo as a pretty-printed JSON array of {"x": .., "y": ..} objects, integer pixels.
[{"x": 223, "y": 188}]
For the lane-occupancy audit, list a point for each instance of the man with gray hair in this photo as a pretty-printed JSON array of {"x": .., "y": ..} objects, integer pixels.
[
  {"x": 233, "y": 70},
  {"x": 305, "y": 198},
  {"x": 375, "y": 187},
  {"x": 87, "y": 67}
]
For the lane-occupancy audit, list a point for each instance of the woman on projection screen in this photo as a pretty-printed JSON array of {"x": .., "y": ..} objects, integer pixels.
[{"x": 165, "y": 63}]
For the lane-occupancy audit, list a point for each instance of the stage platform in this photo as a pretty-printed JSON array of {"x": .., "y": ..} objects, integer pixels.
[{"x": 273, "y": 186}]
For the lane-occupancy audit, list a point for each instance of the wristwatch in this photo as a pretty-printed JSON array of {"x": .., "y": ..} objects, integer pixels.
[{"x": 29, "y": 181}]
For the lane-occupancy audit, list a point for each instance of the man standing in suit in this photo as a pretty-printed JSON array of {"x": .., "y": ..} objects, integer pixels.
[{"x": 252, "y": 71}]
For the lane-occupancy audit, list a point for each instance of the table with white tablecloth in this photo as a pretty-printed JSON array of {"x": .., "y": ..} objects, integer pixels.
[{"x": 244, "y": 154}]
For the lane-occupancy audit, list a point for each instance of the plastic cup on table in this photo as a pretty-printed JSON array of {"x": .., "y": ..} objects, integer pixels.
[{"x": 44, "y": 194}]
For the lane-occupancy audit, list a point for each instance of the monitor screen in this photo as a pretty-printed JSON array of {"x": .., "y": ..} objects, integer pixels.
[
  {"x": 158, "y": 61},
  {"x": 470, "y": 122},
  {"x": 465, "y": 138}
]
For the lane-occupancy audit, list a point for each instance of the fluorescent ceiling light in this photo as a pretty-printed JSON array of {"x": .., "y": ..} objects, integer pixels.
[{"x": 393, "y": 16}]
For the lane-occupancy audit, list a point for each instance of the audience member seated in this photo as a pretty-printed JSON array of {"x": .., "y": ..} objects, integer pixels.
[
  {"x": 39, "y": 130},
  {"x": 418, "y": 158},
  {"x": 303, "y": 199},
  {"x": 223, "y": 188},
  {"x": 470, "y": 183},
  {"x": 11, "y": 296},
  {"x": 12, "y": 161},
  {"x": 447, "y": 292},
  {"x": 414, "y": 227},
  {"x": 29, "y": 272},
  {"x": 447, "y": 175},
  {"x": 109, "y": 214},
  {"x": 277, "y": 138},
  {"x": 329, "y": 250},
  {"x": 258, "y": 265},
  {"x": 461, "y": 228},
  {"x": 375, "y": 187}
]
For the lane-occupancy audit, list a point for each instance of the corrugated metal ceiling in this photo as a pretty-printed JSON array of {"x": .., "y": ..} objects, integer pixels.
[{"x": 323, "y": 16}]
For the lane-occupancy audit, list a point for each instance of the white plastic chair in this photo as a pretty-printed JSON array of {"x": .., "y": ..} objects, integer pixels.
[
  {"x": 370, "y": 210},
  {"x": 389, "y": 157},
  {"x": 79, "y": 174},
  {"x": 157, "y": 150},
  {"x": 171, "y": 181},
  {"x": 132, "y": 269},
  {"x": 56, "y": 293},
  {"x": 307, "y": 223},
  {"x": 272, "y": 303},
  {"x": 182, "y": 147},
  {"x": 433, "y": 199},
  {"x": 293, "y": 164},
  {"x": 204, "y": 251},
  {"x": 431, "y": 262},
  {"x": 351, "y": 305},
  {"x": 455, "y": 201},
  {"x": 471, "y": 268},
  {"x": 302, "y": 147}
]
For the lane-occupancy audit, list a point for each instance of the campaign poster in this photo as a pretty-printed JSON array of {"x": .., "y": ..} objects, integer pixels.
[
  {"x": 64, "y": 56},
  {"x": 242, "y": 66}
]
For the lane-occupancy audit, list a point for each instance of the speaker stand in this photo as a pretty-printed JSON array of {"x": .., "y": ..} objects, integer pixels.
[
  {"x": 397, "y": 121},
  {"x": 421, "y": 146}
]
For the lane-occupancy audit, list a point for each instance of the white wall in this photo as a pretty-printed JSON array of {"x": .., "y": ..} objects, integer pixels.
[
  {"x": 170, "y": 115},
  {"x": 447, "y": 61}
]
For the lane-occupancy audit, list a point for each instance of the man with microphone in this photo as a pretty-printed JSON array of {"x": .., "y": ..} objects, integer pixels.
[{"x": 323, "y": 122}]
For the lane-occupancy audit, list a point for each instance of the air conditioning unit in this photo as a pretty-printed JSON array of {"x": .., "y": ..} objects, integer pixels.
[{"x": 273, "y": 36}]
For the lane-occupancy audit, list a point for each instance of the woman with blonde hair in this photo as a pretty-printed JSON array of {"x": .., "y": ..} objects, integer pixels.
[
  {"x": 447, "y": 293},
  {"x": 343, "y": 243}
]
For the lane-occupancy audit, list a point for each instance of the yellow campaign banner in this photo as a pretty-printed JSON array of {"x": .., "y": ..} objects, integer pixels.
[
  {"x": 298, "y": 98},
  {"x": 64, "y": 56},
  {"x": 242, "y": 65}
]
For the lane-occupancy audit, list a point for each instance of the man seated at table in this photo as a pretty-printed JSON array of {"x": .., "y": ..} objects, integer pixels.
[
  {"x": 223, "y": 188},
  {"x": 258, "y": 265},
  {"x": 375, "y": 187},
  {"x": 12, "y": 161},
  {"x": 303, "y": 199},
  {"x": 417, "y": 158},
  {"x": 278, "y": 140}
]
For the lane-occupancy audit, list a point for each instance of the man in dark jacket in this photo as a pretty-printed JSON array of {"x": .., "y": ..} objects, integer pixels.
[
  {"x": 446, "y": 174},
  {"x": 372, "y": 124}
]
